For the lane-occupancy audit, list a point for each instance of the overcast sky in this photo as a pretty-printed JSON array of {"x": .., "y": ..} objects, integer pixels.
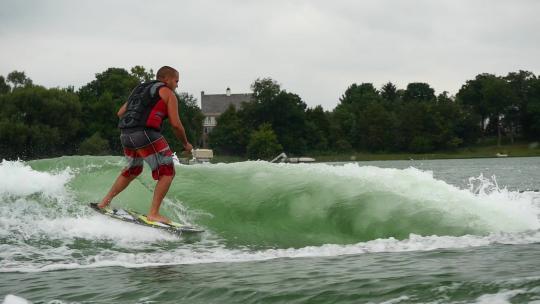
[{"x": 315, "y": 49}]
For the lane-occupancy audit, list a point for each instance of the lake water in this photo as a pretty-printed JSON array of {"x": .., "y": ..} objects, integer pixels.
[{"x": 437, "y": 231}]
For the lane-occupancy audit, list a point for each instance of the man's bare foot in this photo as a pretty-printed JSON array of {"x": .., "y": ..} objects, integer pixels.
[
  {"x": 158, "y": 218},
  {"x": 103, "y": 205}
]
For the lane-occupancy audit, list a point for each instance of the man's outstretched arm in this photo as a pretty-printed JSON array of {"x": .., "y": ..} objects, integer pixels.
[
  {"x": 122, "y": 109},
  {"x": 174, "y": 118}
]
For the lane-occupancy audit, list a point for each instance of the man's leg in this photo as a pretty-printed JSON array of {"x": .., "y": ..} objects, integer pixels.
[
  {"x": 158, "y": 155},
  {"x": 119, "y": 185},
  {"x": 161, "y": 190}
]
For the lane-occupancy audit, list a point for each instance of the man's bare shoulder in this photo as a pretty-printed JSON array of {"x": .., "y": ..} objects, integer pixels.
[{"x": 165, "y": 92}]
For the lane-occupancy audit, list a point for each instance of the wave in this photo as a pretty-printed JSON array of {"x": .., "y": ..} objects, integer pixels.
[{"x": 251, "y": 211}]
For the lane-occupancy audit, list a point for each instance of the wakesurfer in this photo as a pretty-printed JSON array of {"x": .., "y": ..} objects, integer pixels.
[{"x": 141, "y": 120}]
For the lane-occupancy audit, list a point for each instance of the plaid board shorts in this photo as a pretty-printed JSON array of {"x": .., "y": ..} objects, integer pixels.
[{"x": 149, "y": 146}]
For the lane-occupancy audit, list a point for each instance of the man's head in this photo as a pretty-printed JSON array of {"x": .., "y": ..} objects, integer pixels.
[{"x": 169, "y": 76}]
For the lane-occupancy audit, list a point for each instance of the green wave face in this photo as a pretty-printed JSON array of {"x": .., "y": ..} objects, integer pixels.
[{"x": 259, "y": 204}]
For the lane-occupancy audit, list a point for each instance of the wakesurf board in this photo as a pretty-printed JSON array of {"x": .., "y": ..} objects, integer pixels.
[{"x": 140, "y": 219}]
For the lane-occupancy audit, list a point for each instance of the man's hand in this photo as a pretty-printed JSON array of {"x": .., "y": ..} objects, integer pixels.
[{"x": 188, "y": 147}]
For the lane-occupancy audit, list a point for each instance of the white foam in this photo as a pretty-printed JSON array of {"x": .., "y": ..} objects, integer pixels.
[
  {"x": 99, "y": 227},
  {"x": 13, "y": 299},
  {"x": 203, "y": 255},
  {"x": 502, "y": 297},
  {"x": 19, "y": 179}
]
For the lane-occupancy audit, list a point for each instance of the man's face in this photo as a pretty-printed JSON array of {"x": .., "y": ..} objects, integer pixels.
[{"x": 172, "y": 82}]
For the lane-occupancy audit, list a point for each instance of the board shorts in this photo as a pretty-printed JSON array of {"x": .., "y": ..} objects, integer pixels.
[{"x": 149, "y": 146}]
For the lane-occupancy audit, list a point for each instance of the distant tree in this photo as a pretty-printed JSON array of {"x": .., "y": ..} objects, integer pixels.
[
  {"x": 101, "y": 99},
  {"x": 141, "y": 73},
  {"x": 18, "y": 79},
  {"x": 389, "y": 92},
  {"x": 532, "y": 114},
  {"x": 317, "y": 129},
  {"x": 348, "y": 117},
  {"x": 501, "y": 100},
  {"x": 362, "y": 94},
  {"x": 263, "y": 143},
  {"x": 378, "y": 127},
  {"x": 94, "y": 145},
  {"x": 4, "y": 87},
  {"x": 444, "y": 98},
  {"x": 116, "y": 81},
  {"x": 471, "y": 95},
  {"x": 284, "y": 111},
  {"x": 265, "y": 89},
  {"x": 419, "y": 91},
  {"x": 229, "y": 136},
  {"x": 516, "y": 117},
  {"x": 39, "y": 122}
]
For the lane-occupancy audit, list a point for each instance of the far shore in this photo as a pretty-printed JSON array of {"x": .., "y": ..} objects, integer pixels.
[{"x": 490, "y": 151}]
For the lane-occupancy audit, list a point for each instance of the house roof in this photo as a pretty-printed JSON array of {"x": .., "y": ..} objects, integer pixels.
[{"x": 218, "y": 103}]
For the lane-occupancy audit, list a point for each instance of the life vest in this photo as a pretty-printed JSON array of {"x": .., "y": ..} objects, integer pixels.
[{"x": 145, "y": 108}]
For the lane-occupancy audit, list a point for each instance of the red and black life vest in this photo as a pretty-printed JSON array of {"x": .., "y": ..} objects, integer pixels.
[{"x": 145, "y": 108}]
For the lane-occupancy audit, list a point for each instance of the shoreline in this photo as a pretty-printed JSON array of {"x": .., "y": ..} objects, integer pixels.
[{"x": 490, "y": 151}]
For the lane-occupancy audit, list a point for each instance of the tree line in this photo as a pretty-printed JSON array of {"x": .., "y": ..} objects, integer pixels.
[
  {"x": 37, "y": 122},
  {"x": 388, "y": 119}
]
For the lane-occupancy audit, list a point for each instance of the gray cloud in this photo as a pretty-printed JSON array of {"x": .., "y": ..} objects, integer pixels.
[{"x": 313, "y": 48}]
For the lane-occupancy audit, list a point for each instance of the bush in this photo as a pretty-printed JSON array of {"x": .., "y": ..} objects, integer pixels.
[
  {"x": 263, "y": 143},
  {"x": 94, "y": 145},
  {"x": 421, "y": 144}
]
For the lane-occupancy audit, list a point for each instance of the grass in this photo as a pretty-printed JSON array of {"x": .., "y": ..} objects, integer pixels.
[{"x": 479, "y": 151}]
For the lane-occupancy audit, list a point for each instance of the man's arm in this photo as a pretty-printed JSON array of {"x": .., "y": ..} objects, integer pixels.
[
  {"x": 174, "y": 119},
  {"x": 122, "y": 109}
]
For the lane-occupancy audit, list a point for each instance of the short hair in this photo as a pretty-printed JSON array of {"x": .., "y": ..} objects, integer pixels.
[{"x": 166, "y": 71}]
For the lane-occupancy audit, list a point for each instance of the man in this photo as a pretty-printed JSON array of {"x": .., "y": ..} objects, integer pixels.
[{"x": 141, "y": 119}]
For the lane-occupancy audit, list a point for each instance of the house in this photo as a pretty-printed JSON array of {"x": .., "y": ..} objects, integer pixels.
[{"x": 212, "y": 105}]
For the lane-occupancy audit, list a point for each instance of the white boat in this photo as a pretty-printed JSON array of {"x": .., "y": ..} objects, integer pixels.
[{"x": 283, "y": 158}]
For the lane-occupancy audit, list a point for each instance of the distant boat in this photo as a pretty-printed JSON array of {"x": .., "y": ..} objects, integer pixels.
[
  {"x": 300, "y": 159},
  {"x": 501, "y": 155},
  {"x": 283, "y": 158}
]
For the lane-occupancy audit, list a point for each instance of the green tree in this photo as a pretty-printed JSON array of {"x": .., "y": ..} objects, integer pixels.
[
  {"x": 362, "y": 94},
  {"x": 39, "y": 122},
  {"x": 500, "y": 99},
  {"x": 229, "y": 137},
  {"x": 419, "y": 91},
  {"x": 263, "y": 143},
  {"x": 376, "y": 128},
  {"x": 348, "y": 115},
  {"x": 389, "y": 92},
  {"x": 141, "y": 74},
  {"x": 516, "y": 115},
  {"x": 284, "y": 111},
  {"x": 444, "y": 98},
  {"x": 471, "y": 95},
  {"x": 532, "y": 114},
  {"x": 317, "y": 129},
  {"x": 94, "y": 145},
  {"x": 265, "y": 89},
  {"x": 101, "y": 99},
  {"x": 4, "y": 87},
  {"x": 19, "y": 79}
]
